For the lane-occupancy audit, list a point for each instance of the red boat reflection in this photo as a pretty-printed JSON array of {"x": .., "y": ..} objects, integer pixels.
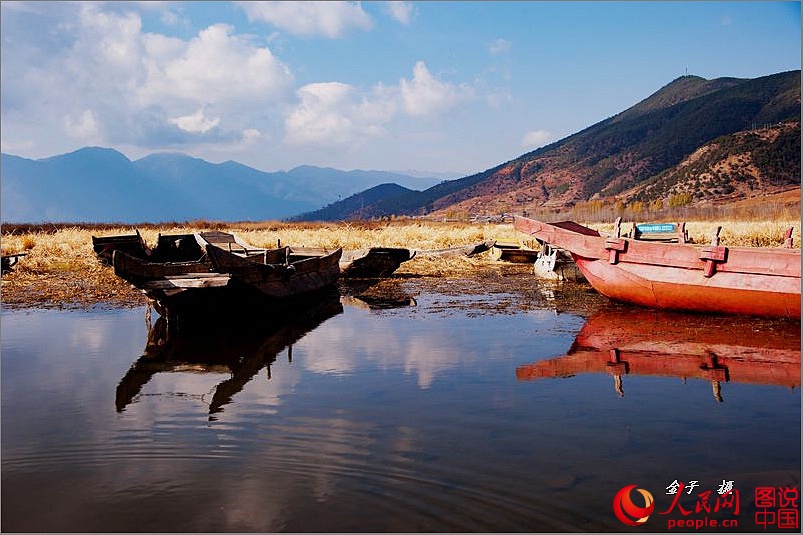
[{"x": 713, "y": 348}]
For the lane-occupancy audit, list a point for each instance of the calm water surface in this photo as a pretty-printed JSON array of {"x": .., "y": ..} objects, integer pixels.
[{"x": 430, "y": 417}]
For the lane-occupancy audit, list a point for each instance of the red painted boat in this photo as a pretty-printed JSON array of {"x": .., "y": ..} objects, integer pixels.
[
  {"x": 717, "y": 349},
  {"x": 677, "y": 276}
]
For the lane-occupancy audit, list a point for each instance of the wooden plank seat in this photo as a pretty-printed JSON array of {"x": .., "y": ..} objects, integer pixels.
[
  {"x": 229, "y": 242},
  {"x": 660, "y": 232}
]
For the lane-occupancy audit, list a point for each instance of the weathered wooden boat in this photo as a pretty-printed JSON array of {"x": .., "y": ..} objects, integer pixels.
[
  {"x": 176, "y": 263},
  {"x": 165, "y": 279},
  {"x": 548, "y": 262},
  {"x": 277, "y": 273},
  {"x": 178, "y": 276},
  {"x": 461, "y": 250},
  {"x": 373, "y": 262},
  {"x": 714, "y": 279},
  {"x": 133, "y": 244},
  {"x": 169, "y": 247},
  {"x": 513, "y": 252},
  {"x": 717, "y": 349}
]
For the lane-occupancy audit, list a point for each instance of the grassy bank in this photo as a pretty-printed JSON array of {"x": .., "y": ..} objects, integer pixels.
[{"x": 61, "y": 269}]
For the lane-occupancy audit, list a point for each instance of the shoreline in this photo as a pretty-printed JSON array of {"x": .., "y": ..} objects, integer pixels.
[
  {"x": 61, "y": 271},
  {"x": 479, "y": 284}
]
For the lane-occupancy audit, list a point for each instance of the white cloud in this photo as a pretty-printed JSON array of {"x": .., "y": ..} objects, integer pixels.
[
  {"x": 107, "y": 81},
  {"x": 326, "y": 19},
  {"x": 251, "y": 135},
  {"x": 426, "y": 95},
  {"x": 322, "y": 114},
  {"x": 170, "y": 18},
  {"x": 197, "y": 123},
  {"x": 89, "y": 73},
  {"x": 499, "y": 46},
  {"x": 401, "y": 11},
  {"x": 216, "y": 67},
  {"x": 335, "y": 113},
  {"x": 106, "y": 41},
  {"x": 536, "y": 138},
  {"x": 83, "y": 127}
]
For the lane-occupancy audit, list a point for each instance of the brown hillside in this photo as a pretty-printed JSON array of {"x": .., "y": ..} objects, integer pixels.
[
  {"x": 696, "y": 140},
  {"x": 752, "y": 163}
]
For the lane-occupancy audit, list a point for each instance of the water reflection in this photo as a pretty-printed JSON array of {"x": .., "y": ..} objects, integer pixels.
[
  {"x": 716, "y": 349},
  {"x": 379, "y": 303},
  {"x": 375, "y": 295},
  {"x": 401, "y": 420},
  {"x": 237, "y": 345}
]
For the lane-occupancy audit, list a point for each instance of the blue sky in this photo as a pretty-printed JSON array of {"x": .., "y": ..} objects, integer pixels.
[{"x": 440, "y": 87}]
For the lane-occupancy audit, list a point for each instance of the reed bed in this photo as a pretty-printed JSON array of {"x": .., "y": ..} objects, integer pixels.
[
  {"x": 61, "y": 269},
  {"x": 759, "y": 233}
]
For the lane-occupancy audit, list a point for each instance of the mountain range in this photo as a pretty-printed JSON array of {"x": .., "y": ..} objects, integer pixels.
[
  {"x": 693, "y": 141},
  {"x": 96, "y": 184},
  {"x": 702, "y": 140}
]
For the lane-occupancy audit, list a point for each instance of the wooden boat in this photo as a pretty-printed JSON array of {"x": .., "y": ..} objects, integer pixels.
[
  {"x": 513, "y": 252},
  {"x": 178, "y": 276},
  {"x": 461, "y": 250},
  {"x": 373, "y": 262},
  {"x": 178, "y": 262},
  {"x": 714, "y": 279},
  {"x": 133, "y": 244},
  {"x": 717, "y": 349},
  {"x": 278, "y": 273},
  {"x": 165, "y": 279}
]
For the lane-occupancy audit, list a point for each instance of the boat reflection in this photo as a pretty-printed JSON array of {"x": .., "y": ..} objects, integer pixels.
[
  {"x": 375, "y": 295},
  {"x": 239, "y": 346},
  {"x": 368, "y": 302},
  {"x": 718, "y": 349}
]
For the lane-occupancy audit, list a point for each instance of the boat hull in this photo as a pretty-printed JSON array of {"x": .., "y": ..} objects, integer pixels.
[
  {"x": 373, "y": 262},
  {"x": 730, "y": 280},
  {"x": 133, "y": 244},
  {"x": 513, "y": 253},
  {"x": 278, "y": 280}
]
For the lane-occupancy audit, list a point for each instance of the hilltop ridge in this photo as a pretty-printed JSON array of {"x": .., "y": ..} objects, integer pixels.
[{"x": 615, "y": 159}]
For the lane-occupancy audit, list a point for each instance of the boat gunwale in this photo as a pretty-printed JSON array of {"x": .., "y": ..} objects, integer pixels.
[{"x": 674, "y": 276}]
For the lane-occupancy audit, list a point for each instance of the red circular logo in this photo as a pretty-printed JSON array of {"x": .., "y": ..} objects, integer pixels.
[{"x": 630, "y": 513}]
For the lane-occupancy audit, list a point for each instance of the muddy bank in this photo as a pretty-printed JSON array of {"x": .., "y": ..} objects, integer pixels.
[
  {"x": 512, "y": 288},
  {"x": 466, "y": 283}
]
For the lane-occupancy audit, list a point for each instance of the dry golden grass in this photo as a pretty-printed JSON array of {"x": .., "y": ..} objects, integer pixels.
[
  {"x": 61, "y": 269},
  {"x": 766, "y": 233}
]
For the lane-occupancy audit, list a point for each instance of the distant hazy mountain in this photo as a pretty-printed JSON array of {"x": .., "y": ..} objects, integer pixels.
[
  {"x": 102, "y": 185},
  {"x": 351, "y": 207}
]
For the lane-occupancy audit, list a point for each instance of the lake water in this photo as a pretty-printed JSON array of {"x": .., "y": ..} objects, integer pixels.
[{"x": 436, "y": 416}]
